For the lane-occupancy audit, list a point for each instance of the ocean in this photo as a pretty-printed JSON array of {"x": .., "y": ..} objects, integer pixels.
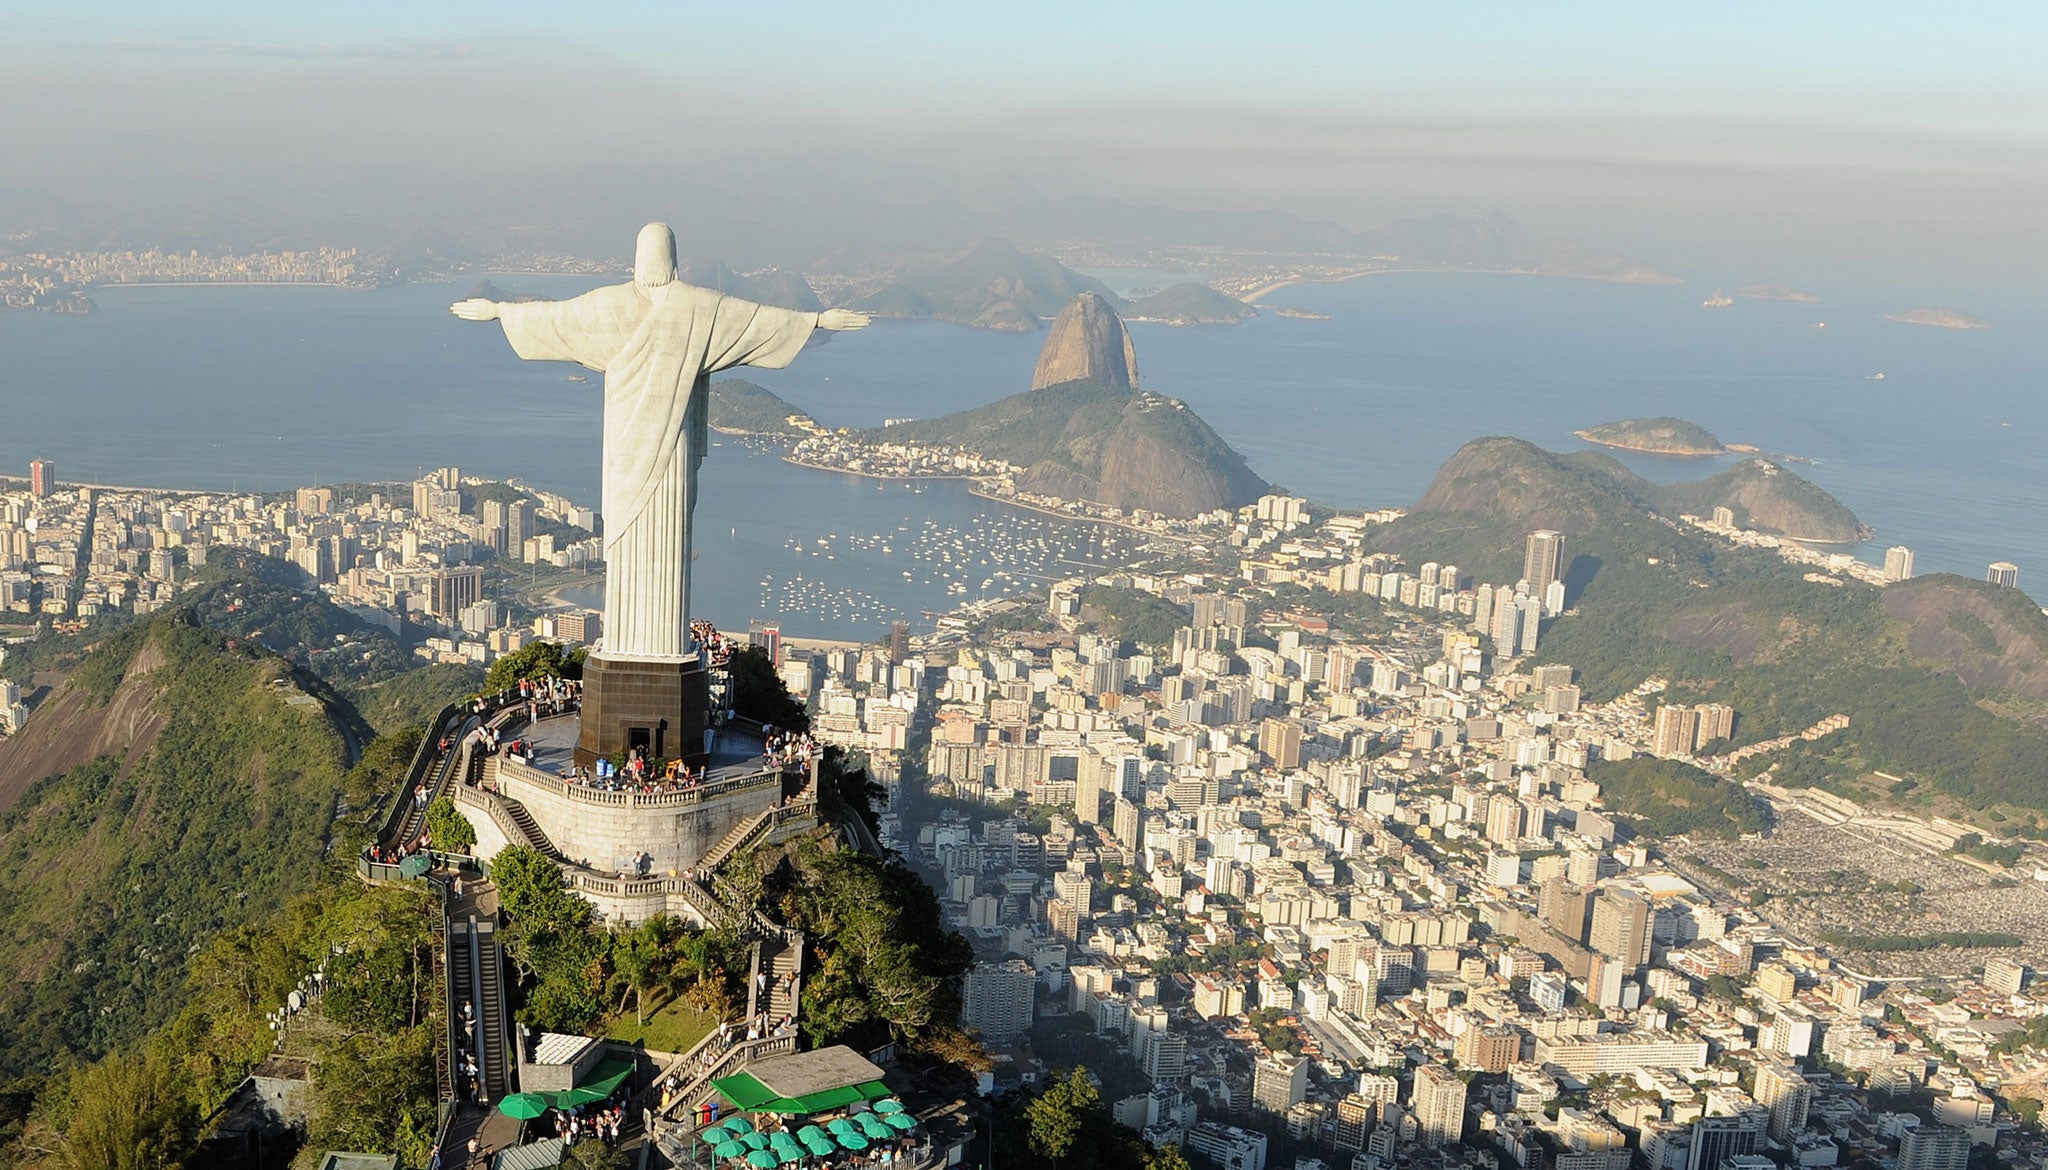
[{"x": 265, "y": 388}]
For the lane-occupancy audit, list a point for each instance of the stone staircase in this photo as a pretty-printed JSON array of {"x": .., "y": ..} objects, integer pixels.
[
  {"x": 742, "y": 835},
  {"x": 785, "y": 980}
]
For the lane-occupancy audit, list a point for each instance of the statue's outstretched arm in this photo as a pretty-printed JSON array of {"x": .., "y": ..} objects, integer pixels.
[
  {"x": 842, "y": 320},
  {"x": 475, "y": 309}
]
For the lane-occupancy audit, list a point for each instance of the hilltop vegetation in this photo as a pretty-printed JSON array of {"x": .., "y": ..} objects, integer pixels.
[
  {"x": 1740, "y": 626},
  {"x": 208, "y": 803},
  {"x": 1132, "y": 614},
  {"x": 1192, "y": 303},
  {"x": 1087, "y": 440},
  {"x": 1764, "y": 497},
  {"x": 743, "y": 408},
  {"x": 1666, "y": 798},
  {"x": 988, "y": 284}
]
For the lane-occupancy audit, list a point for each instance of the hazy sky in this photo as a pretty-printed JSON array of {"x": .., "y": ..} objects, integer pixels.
[{"x": 1828, "y": 131}]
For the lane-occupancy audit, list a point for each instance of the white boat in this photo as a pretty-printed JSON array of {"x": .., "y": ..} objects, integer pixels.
[{"x": 1719, "y": 300}]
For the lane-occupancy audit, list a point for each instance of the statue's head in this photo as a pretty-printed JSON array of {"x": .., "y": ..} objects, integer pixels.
[{"x": 654, "y": 258}]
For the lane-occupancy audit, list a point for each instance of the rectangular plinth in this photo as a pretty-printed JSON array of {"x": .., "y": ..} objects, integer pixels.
[{"x": 662, "y": 707}]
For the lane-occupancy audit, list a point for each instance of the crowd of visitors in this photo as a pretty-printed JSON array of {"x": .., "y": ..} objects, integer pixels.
[
  {"x": 638, "y": 773},
  {"x": 718, "y": 649}
]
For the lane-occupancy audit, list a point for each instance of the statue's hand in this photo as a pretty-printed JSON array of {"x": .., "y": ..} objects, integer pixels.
[
  {"x": 842, "y": 320},
  {"x": 475, "y": 309}
]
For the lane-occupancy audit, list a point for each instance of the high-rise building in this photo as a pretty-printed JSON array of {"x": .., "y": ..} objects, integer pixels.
[
  {"x": 1677, "y": 733},
  {"x": 1279, "y": 1082},
  {"x": 1783, "y": 1090},
  {"x": 1934, "y": 1147},
  {"x": 1716, "y": 721},
  {"x": 1898, "y": 563},
  {"x": 996, "y": 999},
  {"x": 42, "y": 478},
  {"x": 1280, "y": 742},
  {"x": 1439, "y": 1105},
  {"x": 1490, "y": 1049},
  {"x": 2004, "y": 976},
  {"x": 518, "y": 524},
  {"x": 1566, "y": 908},
  {"x": 1715, "y": 1139},
  {"x": 1542, "y": 560},
  {"x": 1621, "y": 926},
  {"x": 2003, "y": 573},
  {"x": 450, "y": 591}
]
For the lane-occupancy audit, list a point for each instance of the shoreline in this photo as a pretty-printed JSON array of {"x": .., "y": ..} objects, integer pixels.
[{"x": 1289, "y": 282}]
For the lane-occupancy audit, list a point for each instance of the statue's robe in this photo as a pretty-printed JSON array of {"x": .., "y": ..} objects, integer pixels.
[{"x": 657, "y": 349}]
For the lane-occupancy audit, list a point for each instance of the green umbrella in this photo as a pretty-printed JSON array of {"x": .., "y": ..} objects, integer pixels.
[
  {"x": 730, "y": 1148},
  {"x": 780, "y": 1141},
  {"x": 888, "y": 1105},
  {"x": 840, "y": 1125},
  {"x": 524, "y": 1106},
  {"x": 755, "y": 1141},
  {"x": 761, "y": 1158},
  {"x": 853, "y": 1141},
  {"x": 822, "y": 1147},
  {"x": 737, "y": 1126},
  {"x": 788, "y": 1154},
  {"x": 873, "y": 1127},
  {"x": 416, "y": 866},
  {"x": 899, "y": 1121},
  {"x": 809, "y": 1134}
]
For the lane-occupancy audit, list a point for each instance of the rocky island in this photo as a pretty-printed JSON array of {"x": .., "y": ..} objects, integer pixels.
[
  {"x": 1657, "y": 436},
  {"x": 1777, "y": 292},
  {"x": 1939, "y": 317}
]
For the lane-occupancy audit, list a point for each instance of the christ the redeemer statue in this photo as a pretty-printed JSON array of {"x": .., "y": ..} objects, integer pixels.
[{"x": 657, "y": 342}]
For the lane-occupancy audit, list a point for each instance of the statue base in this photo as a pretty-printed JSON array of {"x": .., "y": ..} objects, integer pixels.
[{"x": 662, "y": 708}]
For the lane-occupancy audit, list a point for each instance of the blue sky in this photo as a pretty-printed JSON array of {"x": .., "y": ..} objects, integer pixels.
[
  {"x": 1957, "y": 64},
  {"x": 1822, "y": 125}
]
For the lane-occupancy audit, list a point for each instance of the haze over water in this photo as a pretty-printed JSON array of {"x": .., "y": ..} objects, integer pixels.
[{"x": 267, "y": 388}]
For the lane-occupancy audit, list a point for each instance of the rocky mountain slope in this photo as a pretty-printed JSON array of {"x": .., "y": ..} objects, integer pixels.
[
  {"x": 1087, "y": 343},
  {"x": 1107, "y": 443}
]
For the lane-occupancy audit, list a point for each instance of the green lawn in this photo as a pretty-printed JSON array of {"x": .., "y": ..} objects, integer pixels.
[{"x": 673, "y": 1027}]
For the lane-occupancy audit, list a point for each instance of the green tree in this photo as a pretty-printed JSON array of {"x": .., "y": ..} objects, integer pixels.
[
  {"x": 887, "y": 966},
  {"x": 130, "y": 1113},
  {"x": 547, "y": 933},
  {"x": 1060, "y": 1114},
  {"x": 376, "y": 1092},
  {"x": 642, "y": 957},
  {"x": 535, "y": 660},
  {"x": 758, "y": 693},
  {"x": 450, "y": 831}
]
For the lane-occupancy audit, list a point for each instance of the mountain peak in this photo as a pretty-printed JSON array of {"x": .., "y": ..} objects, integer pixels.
[{"x": 1087, "y": 342}]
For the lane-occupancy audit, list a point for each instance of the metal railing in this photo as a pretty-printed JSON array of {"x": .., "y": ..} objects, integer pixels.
[{"x": 523, "y": 773}]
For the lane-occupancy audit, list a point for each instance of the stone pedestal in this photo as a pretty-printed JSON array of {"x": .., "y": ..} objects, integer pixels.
[{"x": 663, "y": 707}]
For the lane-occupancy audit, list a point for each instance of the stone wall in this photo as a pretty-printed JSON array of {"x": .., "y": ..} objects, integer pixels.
[{"x": 611, "y": 831}]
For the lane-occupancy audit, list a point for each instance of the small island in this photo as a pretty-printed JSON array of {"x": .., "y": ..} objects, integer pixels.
[
  {"x": 1190, "y": 304},
  {"x": 1777, "y": 292},
  {"x": 1301, "y": 314},
  {"x": 1657, "y": 436},
  {"x": 1939, "y": 317}
]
